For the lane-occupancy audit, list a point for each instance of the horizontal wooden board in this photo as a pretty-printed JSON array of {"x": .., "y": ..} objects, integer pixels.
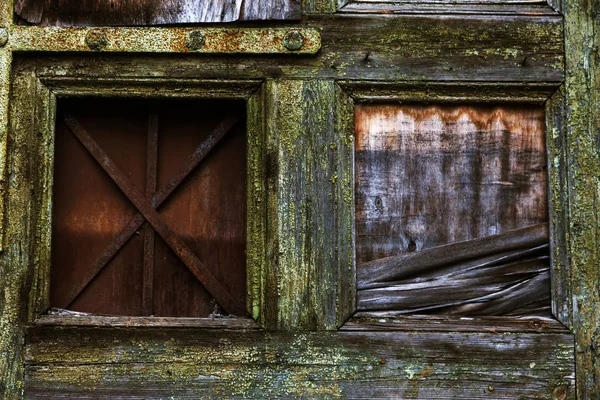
[
  {"x": 152, "y": 363},
  {"x": 496, "y": 7},
  {"x": 474, "y": 48},
  {"x": 153, "y": 12}
]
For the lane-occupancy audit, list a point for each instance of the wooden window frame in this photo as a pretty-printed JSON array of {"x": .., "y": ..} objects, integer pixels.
[
  {"x": 275, "y": 190},
  {"x": 353, "y": 349},
  {"x": 39, "y": 117}
]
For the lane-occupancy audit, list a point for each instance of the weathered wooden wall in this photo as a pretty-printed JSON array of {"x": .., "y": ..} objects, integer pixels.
[
  {"x": 152, "y": 12},
  {"x": 368, "y": 359}
]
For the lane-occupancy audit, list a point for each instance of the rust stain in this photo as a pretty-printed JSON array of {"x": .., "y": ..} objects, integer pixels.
[{"x": 160, "y": 40}]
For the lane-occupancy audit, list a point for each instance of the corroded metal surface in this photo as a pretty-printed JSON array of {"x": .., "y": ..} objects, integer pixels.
[{"x": 162, "y": 40}]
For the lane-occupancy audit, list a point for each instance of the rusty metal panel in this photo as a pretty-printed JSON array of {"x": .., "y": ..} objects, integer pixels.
[{"x": 105, "y": 258}]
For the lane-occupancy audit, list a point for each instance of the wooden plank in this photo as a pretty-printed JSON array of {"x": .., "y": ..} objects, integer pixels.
[
  {"x": 400, "y": 48},
  {"x": 81, "y": 319},
  {"x": 153, "y": 12},
  {"x": 404, "y": 364},
  {"x": 309, "y": 212},
  {"x": 562, "y": 292},
  {"x": 393, "y": 321},
  {"x": 15, "y": 268},
  {"x": 432, "y": 175},
  {"x": 582, "y": 154},
  {"x": 491, "y": 7}
]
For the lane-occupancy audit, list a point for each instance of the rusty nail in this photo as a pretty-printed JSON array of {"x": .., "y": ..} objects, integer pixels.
[
  {"x": 3, "y": 37},
  {"x": 293, "y": 40},
  {"x": 96, "y": 39},
  {"x": 195, "y": 40}
]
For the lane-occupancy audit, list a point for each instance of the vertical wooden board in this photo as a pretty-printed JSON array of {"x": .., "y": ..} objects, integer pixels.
[
  {"x": 304, "y": 151},
  {"x": 153, "y": 12},
  {"x": 15, "y": 268},
  {"x": 562, "y": 295},
  {"x": 39, "y": 297},
  {"x": 256, "y": 206},
  {"x": 433, "y": 175},
  {"x": 582, "y": 151}
]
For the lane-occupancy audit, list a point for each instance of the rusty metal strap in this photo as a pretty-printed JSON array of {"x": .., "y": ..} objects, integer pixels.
[{"x": 295, "y": 40}]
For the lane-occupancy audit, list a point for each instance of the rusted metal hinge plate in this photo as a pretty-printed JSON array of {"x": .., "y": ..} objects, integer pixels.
[{"x": 296, "y": 40}]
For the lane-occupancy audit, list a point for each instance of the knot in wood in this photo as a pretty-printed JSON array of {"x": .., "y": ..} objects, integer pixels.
[{"x": 96, "y": 39}]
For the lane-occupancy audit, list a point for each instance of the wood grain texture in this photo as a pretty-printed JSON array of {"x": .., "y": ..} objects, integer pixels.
[
  {"x": 505, "y": 274},
  {"x": 432, "y": 175},
  {"x": 207, "y": 210},
  {"x": 562, "y": 289},
  {"x": 582, "y": 152},
  {"x": 309, "y": 155},
  {"x": 404, "y": 48},
  {"x": 195, "y": 364},
  {"x": 491, "y": 7},
  {"x": 153, "y": 12},
  {"x": 16, "y": 276}
]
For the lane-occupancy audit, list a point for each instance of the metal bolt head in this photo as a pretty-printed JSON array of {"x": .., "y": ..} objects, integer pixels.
[
  {"x": 293, "y": 41},
  {"x": 195, "y": 40},
  {"x": 3, "y": 37},
  {"x": 96, "y": 39}
]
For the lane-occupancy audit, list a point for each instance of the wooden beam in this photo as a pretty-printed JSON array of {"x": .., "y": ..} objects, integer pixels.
[
  {"x": 503, "y": 362},
  {"x": 311, "y": 278},
  {"x": 399, "y": 48},
  {"x": 582, "y": 151}
]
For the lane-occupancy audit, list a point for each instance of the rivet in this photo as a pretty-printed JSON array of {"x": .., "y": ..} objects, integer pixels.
[
  {"x": 3, "y": 37},
  {"x": 490, "y": 388},
  {"x": 96, "y": 39},
  {"x": 293, "y": 41},
  {"x": 195, "y": 40}
]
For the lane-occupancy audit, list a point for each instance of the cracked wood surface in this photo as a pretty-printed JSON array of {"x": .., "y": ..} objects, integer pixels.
[{"x": 153, "y": 12}]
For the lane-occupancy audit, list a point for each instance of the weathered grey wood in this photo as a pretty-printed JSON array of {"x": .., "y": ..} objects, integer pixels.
[
  {"x": 448, "y": 92},
  {"x": 393, "y": 321},
  {"x": 562, "y": 295},
  {"x": 153, "y": 12},
  {"x": 431, "y": 175},
  {"x": 310, "y": 206},
  {"x": 582, "y": 152},
  {"x": 20, "y": 230},
  {"x": 502, "y": 48},
  {"x": 481, "y": 279},
  {"x": 322, "y": 6},
  {"x": 494, "y": 362},
  {"x": 131, "y": 322},
  {"x": 491, "y": 7},
  {"x": 379, "y": 272}
]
